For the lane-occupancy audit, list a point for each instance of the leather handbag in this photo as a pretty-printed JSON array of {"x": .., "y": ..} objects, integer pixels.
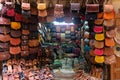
[
  {"x": 25, "y": 32},
  {"x": 24, "y": 53},
  {"x": 58, "y": 10},
  {"x": 15, "y": 41},
  {"x": 110, "y": 15},
  {"x": 10, "y": 12},
  {"x": 108, "y": 51},
  {"x": 100, "y": 36},
  {"x": 98, "y": 29},
  {"x": 99, "y": 44},
  {"x": 108, "y": 7},
  {"x": 42, "y": 13},
  {"x": 24, "y": 37},
  {"x": 15, "y": 50},
  {"x": 24, "y": 42},
  {"x": 24, "y": 48},
  {"x": 111, "y": 33},
  {"x": 17, "y": 8},
  {"x": 33, "y": 50},
  {"x": 18, "y": 17},
  {"x": 41, "y": 5},
  {"x": 109, "y": 23},
  {"x": 4, "y": 21},
  {"x": 15, "y": 25},
  {"x": 4, "y": 29},
  {"x": 98, "y": 52},
  {"x": 99, "y": 59},
  {"x": 15, "y": 33},
  {"x": 4, "y": 38},
  {"x": 25, "y": 5},
  {"x": 74, "y": 6},
  {"x": 111, "y": 59},
  {"x": 92, "y": 7},
  {"x": 109, "y": 42},
  {"x": 99, "y": 22},
  {"x": 33, "y": 43},
  {"x": 33, "y": 8},
  {"x": 4, "y": 45},
  {"x": 4, "y": 55}
]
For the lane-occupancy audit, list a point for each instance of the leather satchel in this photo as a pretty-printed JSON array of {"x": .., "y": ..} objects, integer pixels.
[
  {"x": 10, "y": 12},
  {"x": 24, "y": 48},
  {"x": 110, "y": 59},
  {"x": 24, "y": 53},
  {"x": 42, "y": 13},
  {"x": 4, "y": 21},
  {"x": 92, "y": 7},
  {"x": 18, "y": 17},
  {"x": 25, "y": 5},
  {"x": 15, "y": 41},
  {"x": 15, "y": 25},
  {"x": 4, "y": 29},
  {"x": 4, "y": 38},
  {"x": 108, "y": 7},
  {"x": 25, "y": 32},
  {"x": 33, "y": 43},
  {"x": 15, "y": 50},
  {"x": 4, "y": 55},
  {"x": 15, "y": 33},
  {"x": 4, "y": 45},
  {"x": 33, "y": 50},
  {"x": 108, "y": 51}
]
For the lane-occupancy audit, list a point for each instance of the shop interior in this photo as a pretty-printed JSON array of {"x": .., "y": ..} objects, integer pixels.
[{"x": 59, "y": 40}]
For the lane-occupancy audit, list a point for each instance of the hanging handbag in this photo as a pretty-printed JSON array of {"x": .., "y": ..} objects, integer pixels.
[
  {"x": 41, "y": 5},
  {"x": 15, "y": 41},
  {"x": 4, "y": 21},
  {"x": 74, "y": 6},
  {"x": 99, "y": 59},
  {"x": 4, "y": 38},
  {"x": 15, "y": 33},
  {"x": 109, "y": 23},
  {"x": 4, "y": 29},
  {"x": 92, "y": 7},
  {"x": 25, "y": 32},
  {"x": 10, "y": 12},
  {"x": 15, "y": 50},
  {"x": 4, "y": 45},
  {"x": 18, "y": 17},
  {"x": 110, "y": 59},
  {"x": 108, "y": 51},
  {"x": 25, "y": 5},
  {"x": 110, "y": 15},
  {"x": 33, "y": 43},
  {"x": 4, "y": 56},
  {"x": 15, "y": 25},
  {"x": 17, "y": 8},
  {"x": 109, "y": 42},
  {"x": 58, "y": 11},
  {"x": 108, "y": 7},
  {"x": 24, "y": 53},
  {"x": 33, "y": 8}
]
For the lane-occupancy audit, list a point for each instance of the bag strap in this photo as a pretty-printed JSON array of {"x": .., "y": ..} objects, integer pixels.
[
  {"x": 50, "y": 3},
  {"x": 107, "y": 2},
  {"x": 93, "y": 1},
  {"x": 59, "y": 2},
  {"x": 74, "y": 1},
  {"x": 25, "y": 1}
]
